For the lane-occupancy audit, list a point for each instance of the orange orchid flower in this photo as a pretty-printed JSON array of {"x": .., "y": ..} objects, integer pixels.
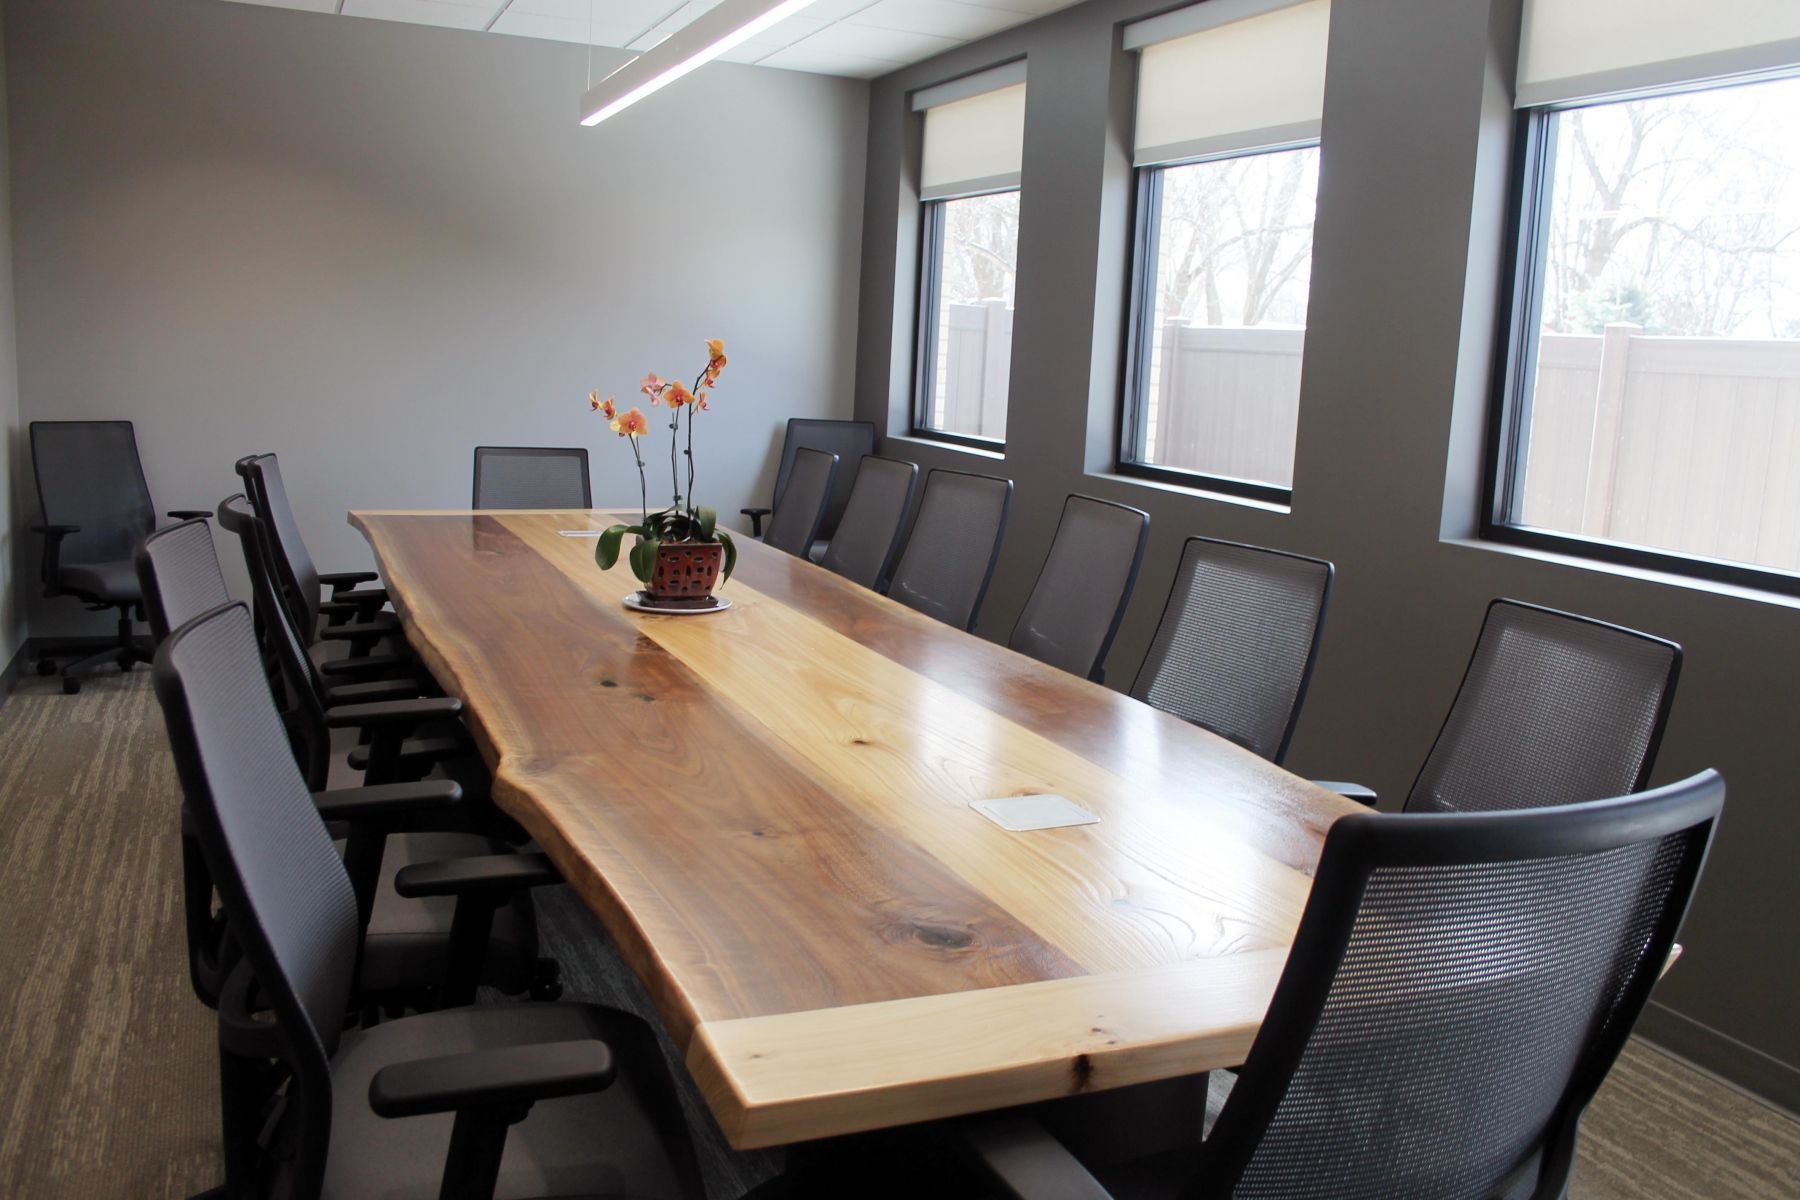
[
  {"x": 603, "y": 407},
  {"x": 631, "y": 424},
  {"x": 715, "y": 349},
  {"x": 677, "y": 394}
]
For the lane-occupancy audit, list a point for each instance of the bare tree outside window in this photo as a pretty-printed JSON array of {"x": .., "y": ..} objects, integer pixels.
[
  {"x": 1220, "y": 392},
  {"x": 1665, "y": 408},
  {"x": 977, "y": 245}
]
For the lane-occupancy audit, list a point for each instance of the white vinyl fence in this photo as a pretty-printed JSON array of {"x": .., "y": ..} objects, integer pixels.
[
  {"x": 1225, "y": 401},
  {"x": 1686, "y": 444},
  {"x": 974, "y": 362}
]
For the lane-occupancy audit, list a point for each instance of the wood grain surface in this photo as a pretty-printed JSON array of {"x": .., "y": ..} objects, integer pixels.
[{"x": 767, "y": 808}]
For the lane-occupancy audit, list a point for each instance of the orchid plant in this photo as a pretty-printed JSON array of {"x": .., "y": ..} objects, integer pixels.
[{"x": 682, "y": 520}]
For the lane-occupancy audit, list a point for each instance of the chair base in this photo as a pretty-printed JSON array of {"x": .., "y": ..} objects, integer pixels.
[{"x": 126, "y": 650}]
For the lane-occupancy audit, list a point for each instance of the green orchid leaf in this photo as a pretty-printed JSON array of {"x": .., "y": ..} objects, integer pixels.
[
  {"x": 606, "y": 547},
  {"x": 730, "y": 554},
  {"x": 643, "y": 558},
  {"x": 709, "y": 518}
]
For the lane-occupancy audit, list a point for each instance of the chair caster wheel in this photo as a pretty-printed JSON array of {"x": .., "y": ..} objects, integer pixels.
[
  {"x": 46, "y": 667},
  {"x": 546, "y": 983},
  {"x": 71, "y": 686}
]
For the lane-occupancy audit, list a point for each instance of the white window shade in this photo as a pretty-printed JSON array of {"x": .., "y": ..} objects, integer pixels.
[
  {"x": 1585, "y": 49},
  {"x": 1250, "y": 79},
  {"x": 974, "y": 145}
]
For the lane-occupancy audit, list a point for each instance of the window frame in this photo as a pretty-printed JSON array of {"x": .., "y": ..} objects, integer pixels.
[
  {"x": 925, "y": 326},
  {"x": 1531, "y": 195},
  {"x": 1139, "y": 306}
]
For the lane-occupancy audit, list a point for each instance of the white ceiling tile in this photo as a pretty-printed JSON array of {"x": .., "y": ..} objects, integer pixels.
[
  {"x": 945, "y": 18},
  {"x": 770, "y": 40},
  {"x": 796, "y": 59},
  {"x": 324, "y": 6},
  {"x": 670, "y": 21},
  {"x": 1035, "y": 8},
  {"x": 834, "y": 10},
  {"x": 611, "y": 22},
  {"x": 452, "y": 14},
  {"x": 887, "y": 45}
]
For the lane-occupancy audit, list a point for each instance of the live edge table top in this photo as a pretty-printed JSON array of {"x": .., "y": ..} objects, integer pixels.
[{"x": 768, "y": 810}]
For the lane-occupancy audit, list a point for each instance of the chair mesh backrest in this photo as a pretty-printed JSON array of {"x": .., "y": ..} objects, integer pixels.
[
  {"x": 1459, "y": 987},
  {"x": 949, "y": 559},
  {"x": 1080, "y": 596},
  {"x": 868, "y": 537},
  {"x": 283, "y": 885},
  {"x": 1554, "y": 709},
  {"x": 290, "y": 670},
  {"x": 849, "y": 440},
  {"x": 293, "y": 564},
  {"x": 88, "y": 474},
  {"x": 532, "y": 477},
  {"x": 178, "y": 572},
  {"x": 1236, "y": 642},
  {"x": 795, "y": 524}
]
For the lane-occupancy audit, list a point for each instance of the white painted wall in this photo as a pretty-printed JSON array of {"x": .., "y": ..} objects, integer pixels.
[{"x": 370, "y": 247}]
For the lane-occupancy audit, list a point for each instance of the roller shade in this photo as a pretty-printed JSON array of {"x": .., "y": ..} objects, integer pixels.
[
  {"x": 974, "y": 143},
  {"x": 1585, "y": 49},
  {"x": 1251, "y": 77}
]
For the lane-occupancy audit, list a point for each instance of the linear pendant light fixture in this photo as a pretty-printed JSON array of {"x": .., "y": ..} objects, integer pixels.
[{"x": 694, "y": 45}]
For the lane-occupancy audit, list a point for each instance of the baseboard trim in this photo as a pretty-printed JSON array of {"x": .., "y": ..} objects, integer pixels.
[
  {"x": 1743, "y": 1068},
  {"x": 9, "y": 677}
]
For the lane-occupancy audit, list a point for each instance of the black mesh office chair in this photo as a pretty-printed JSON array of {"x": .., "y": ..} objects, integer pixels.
[
  {"x": 96, "y": 509},
  {"x": 949, "y": 560},
  {"x": 801, "y": 509},
  {"x": 178, "y": 574},
  {"x": 514, "y": 1100},
  {"x": 354, "y": 612},
  {"x": 1554, "y": 708},
  {"x": 1459, "y": 987},
  {"x": 849, "y": 440},
  {"x": 532, "y": 477},
  {"x": 407, "y": 946},
  {"x": 868, "y": 537},
  {"x": 1081, "y": 593},
  {"x": 1234, "y": 650}
]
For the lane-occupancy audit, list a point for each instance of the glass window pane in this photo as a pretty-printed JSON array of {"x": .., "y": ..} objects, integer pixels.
[
  {"x": 966, "y": 384},
  {"x": 1665, "y": 407},
  {"x": 1233, "y": 261}
]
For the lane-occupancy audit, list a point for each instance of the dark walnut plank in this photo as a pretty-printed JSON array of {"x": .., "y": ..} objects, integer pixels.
[{"x": 734, "y": 885}]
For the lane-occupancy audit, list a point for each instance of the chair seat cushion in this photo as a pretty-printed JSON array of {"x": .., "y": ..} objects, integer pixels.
[
  {"x": 409, "y": 940},
  {"x": 111, "y": 582},
  {"x": 626, "y": 1141}
]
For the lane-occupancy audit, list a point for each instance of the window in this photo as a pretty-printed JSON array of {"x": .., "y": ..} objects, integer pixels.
[
  {"x": 969, "y": 185},
  {"x": 1650, "y": 412},
  {"x": 1226, "y": 143}
]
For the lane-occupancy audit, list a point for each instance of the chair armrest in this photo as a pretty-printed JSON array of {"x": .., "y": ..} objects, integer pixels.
[
  {"x": 387, "y": 800},
  {"x": 393, "y": 712},
  {"x": 50, "y": 569},
  {"x": 505, "y": 1077},
  {"x": 370, "y": 691},
  {"x": 756, "y": 516},
  {"x": 188, "y": 514},
  {"x": 1349, "y": 791},
  {"x": 364, "y": 664},
  {"x": 384, "y": 626},
  {"x": 1026, "y": 1161},
  {"x": 337, "y": 581},
  {"x": 477, "y": 873}
]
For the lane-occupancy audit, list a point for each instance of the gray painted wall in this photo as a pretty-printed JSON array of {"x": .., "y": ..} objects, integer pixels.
[
  {"x": 12, "y": 537},
  {"x": 1409, "y": 239},
  {"x": 372, "y": 246}
]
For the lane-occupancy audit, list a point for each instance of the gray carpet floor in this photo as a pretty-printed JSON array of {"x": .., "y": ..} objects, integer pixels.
[{"x": 106, "y": 1059}]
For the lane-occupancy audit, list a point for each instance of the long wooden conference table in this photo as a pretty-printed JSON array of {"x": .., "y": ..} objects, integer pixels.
[{"x": 768, "y": 809}]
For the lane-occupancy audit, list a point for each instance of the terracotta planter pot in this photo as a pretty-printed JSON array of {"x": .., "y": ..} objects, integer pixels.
[{"x": 685, "y": 570}]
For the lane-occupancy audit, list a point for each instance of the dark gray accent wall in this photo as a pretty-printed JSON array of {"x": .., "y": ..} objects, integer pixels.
[
  {"x": 1399, "y": 352},
  {"x": 13, "y": 539},
  {"x": 371, "y": 246}
]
